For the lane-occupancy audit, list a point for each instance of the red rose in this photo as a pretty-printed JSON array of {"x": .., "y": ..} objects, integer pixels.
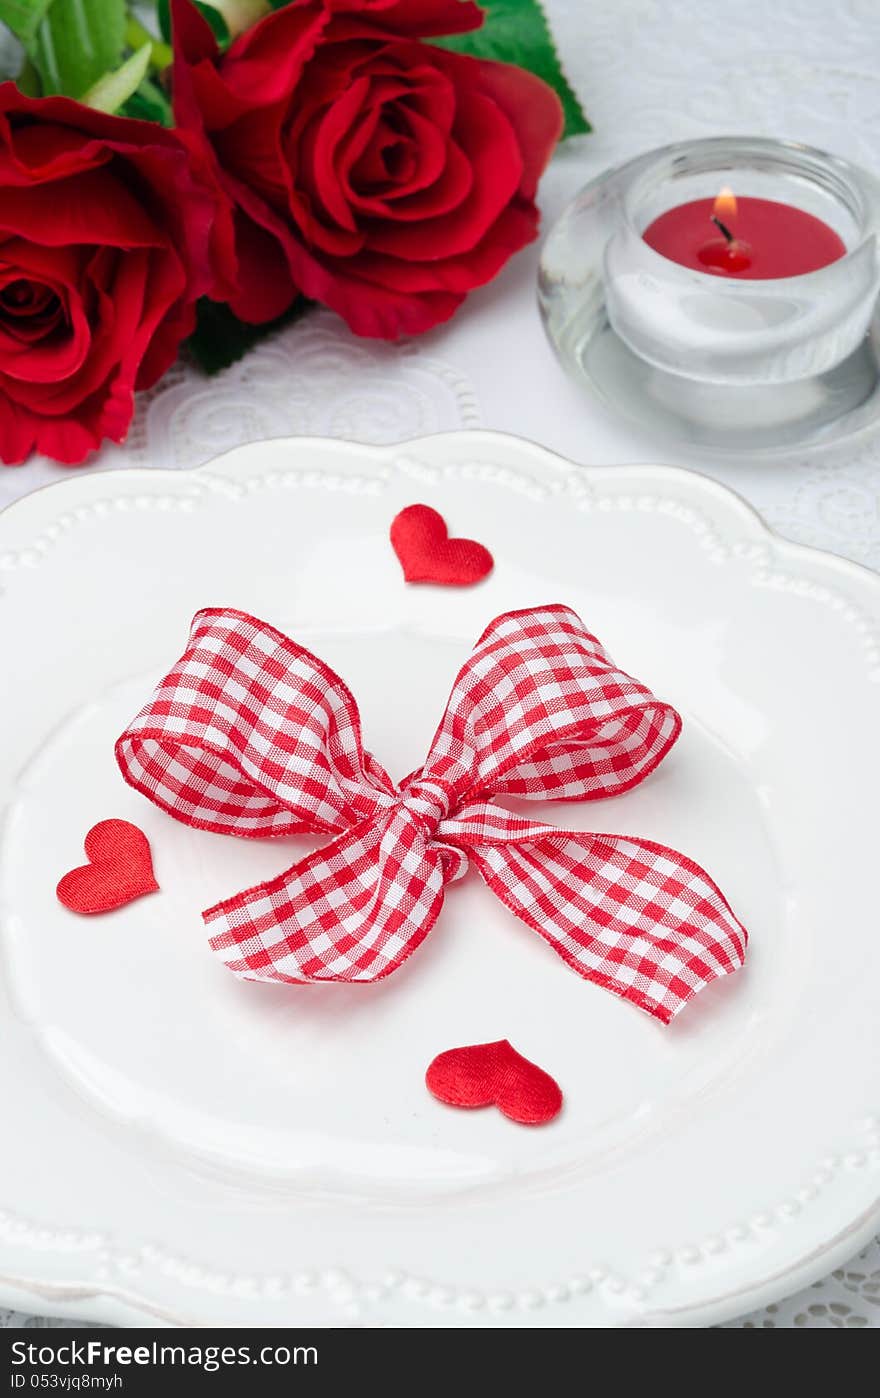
[
  {"x": 104, "y": 236},
  {"x": 382, "y": 176}
]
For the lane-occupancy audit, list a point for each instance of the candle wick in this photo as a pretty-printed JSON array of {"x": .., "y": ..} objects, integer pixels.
[{"x": 724, "y": 229}]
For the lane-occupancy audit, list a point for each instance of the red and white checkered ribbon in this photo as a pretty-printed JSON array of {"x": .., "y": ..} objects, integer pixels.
[{"x": 252, "y": 735}]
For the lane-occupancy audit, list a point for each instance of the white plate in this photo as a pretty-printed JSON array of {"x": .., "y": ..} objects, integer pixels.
[{"x": 182, "y": 1146}]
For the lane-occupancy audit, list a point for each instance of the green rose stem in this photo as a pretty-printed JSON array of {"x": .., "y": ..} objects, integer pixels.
[
  {"x": 28, "y": 80},
  {"x": 136, "y": 36},
  {"x": 110, "y": 91},
  {"x": 241, "y": 14}
]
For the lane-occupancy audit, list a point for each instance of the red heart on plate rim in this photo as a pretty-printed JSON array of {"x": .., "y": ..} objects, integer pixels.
[
  {"x": 427, "y": 554},
  {"x": 120, "y": 868},
  {"x": 486, "y": 1075}
]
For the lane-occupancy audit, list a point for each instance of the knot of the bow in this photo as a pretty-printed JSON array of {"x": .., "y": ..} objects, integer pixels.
[
  {"x": 250, "y": 734},
  {"x": 428, "y": 800}
]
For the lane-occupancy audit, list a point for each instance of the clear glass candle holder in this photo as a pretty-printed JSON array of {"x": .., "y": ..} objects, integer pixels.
[{"x": 732, "y": 361}]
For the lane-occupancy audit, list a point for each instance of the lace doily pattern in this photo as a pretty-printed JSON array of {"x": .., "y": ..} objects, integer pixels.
[
  {"x": 847, "y": 1300},
  {"x": 647, "y": 73}
]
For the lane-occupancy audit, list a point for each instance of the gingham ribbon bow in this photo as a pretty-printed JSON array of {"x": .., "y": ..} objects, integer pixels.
[{"x": 252, "y": 735}]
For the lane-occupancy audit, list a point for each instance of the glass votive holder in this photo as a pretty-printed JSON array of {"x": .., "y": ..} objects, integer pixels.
[{"x": 734, "y": 362}]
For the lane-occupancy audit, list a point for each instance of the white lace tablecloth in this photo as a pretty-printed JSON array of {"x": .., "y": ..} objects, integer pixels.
[{"x": 648, "y": 72}]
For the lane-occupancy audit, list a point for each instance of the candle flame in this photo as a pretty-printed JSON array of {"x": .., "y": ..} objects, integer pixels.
[{"x": 725, "y": 204}]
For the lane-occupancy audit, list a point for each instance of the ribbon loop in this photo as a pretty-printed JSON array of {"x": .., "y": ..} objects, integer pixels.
[
  {"x": 250, "y": 734},
  {"x": 540, "y": 710}
]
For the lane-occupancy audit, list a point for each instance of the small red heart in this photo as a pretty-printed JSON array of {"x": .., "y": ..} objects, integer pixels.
[
  {"x": 485, "y": 1075},
  {"x": 120, "y": 869},
  {"x": 421, "y": 541}
]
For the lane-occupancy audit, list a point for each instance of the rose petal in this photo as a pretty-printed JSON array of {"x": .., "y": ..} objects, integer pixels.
[
  {"x": 489, "y": 144},
  {"x": 450, "y": 188},
  {"x": 393, "y": 176},
  {"x": 91, "y": 207},
  {"x": 265, "y": 61},
  {"x": 267, "y": 289},
  {"x": 115, "y": 219},
  {"x": 533, "y": 110},
  {"x": 514, "y": 229},
  {"x": 17, "y": 431},
  {"x": 415, "y": 17},
  {"x": 320, "y": 152}
]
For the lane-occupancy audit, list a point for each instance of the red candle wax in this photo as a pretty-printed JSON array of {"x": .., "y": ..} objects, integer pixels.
[{"x": 767, "y": 239}]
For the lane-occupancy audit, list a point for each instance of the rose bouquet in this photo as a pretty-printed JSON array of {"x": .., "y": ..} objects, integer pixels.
[{"x": 205, "y": 181}]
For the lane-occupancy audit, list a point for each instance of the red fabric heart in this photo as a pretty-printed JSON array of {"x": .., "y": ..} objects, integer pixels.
[
  {"x": 120, "y": 869},
  {"x": 485, "y": 1075},
  {"x": 421, "y": 541}
]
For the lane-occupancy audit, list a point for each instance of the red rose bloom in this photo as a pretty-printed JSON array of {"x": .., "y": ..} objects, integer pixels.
[
  {"x": 104, "y": 237},
  {"x": 379, "y": 175}
]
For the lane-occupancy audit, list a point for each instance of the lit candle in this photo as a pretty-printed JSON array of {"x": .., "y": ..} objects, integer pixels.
[
  {"x": 752, "y": 238},
  {"x": 740, "y": 322}
]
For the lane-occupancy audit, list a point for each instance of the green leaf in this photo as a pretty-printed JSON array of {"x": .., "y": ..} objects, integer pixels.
[
  {"x": 28, "y": 80},
  {"x": 76, "y": 43},
  {"x": 149, "y": 103},
  {"x": 221, "y": 339},
  {"x": 516, "y": 31},
  {"x": 136, "y": 35},
  {"x": 109, "y": 92},
  {"x": 23, "y": 17},
  {"x": 215, "y": 19}
]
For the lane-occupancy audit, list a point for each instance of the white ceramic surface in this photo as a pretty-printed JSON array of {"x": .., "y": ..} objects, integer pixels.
[
  {"x": 648, "y": 72},
  {"x": 190, "y": 1148}
]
